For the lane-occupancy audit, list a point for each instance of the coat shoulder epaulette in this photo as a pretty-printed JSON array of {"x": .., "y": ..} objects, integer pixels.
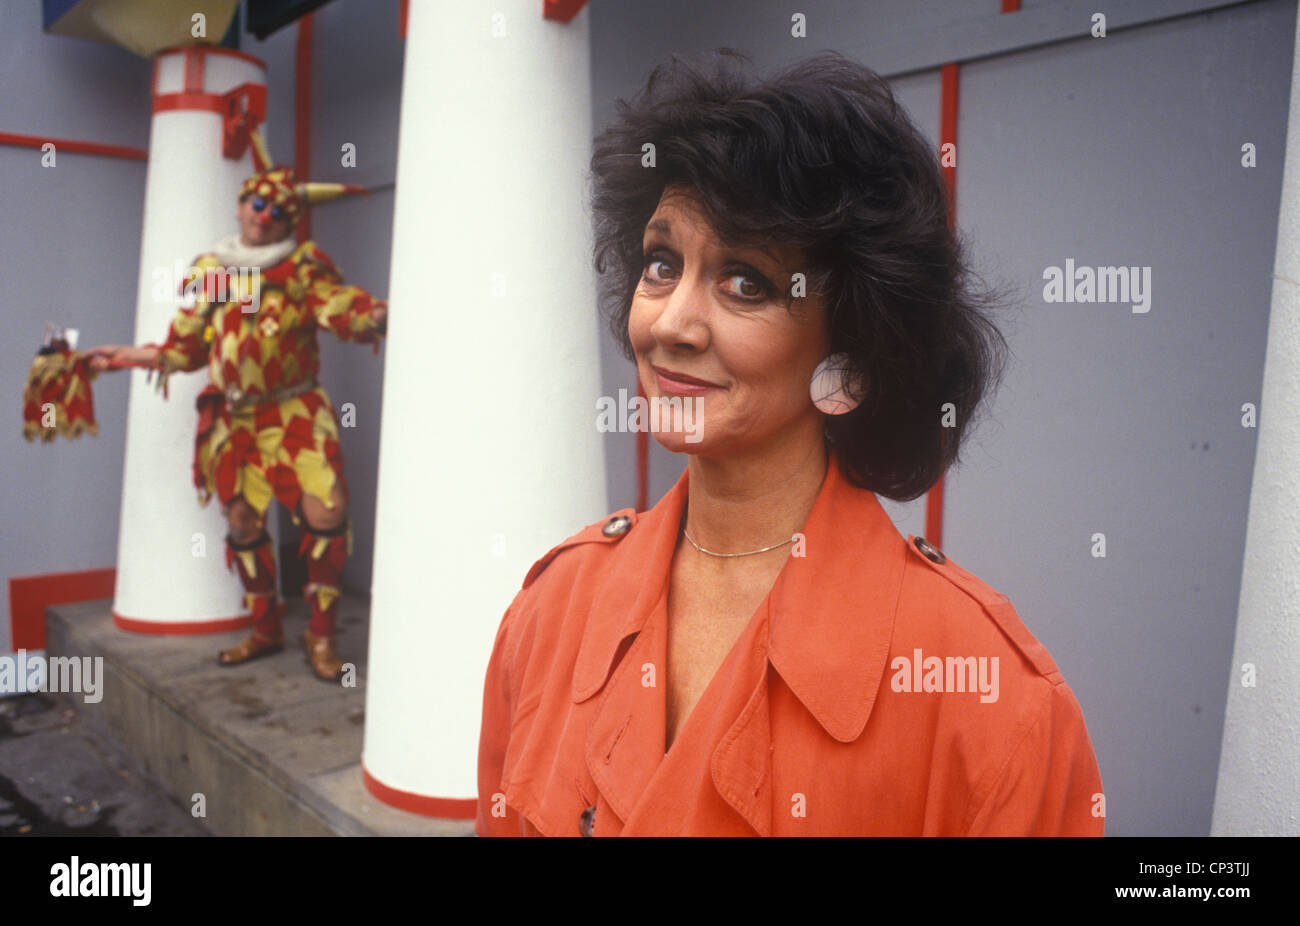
[
  {"x": 606, "y": 530},
  {"x": 994, "y": 603}
]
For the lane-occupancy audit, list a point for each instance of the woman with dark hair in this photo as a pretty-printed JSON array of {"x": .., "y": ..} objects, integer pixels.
[{"x": 762, "y": 651}]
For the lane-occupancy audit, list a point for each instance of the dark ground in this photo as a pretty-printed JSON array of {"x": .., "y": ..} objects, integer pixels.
[{"x": 60, "y": 776}]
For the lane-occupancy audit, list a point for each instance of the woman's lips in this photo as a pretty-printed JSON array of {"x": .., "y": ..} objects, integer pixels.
[{"x": 671, "y": 383}]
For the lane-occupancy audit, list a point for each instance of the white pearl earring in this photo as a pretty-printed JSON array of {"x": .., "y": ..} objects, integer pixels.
[{"x": 831, "y": 385}]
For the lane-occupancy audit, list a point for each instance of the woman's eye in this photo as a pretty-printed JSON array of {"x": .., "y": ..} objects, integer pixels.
[
  {"x": 661, "y": 276},
  {"x": 750, "y": 286}
]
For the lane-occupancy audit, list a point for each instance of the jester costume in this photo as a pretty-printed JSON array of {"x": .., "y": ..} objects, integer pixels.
[{"x": 266, "y": 427}]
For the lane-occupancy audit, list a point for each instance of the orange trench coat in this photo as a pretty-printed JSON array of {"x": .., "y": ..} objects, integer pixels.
[{"x": 829, "y": 716}]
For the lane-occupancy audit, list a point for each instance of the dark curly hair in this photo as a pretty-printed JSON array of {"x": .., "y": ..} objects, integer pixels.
[{"x": 821, "y": 157}]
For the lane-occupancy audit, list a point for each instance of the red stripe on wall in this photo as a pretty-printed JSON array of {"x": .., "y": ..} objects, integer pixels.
[
  {"x": 29, "y": 596},
  {"x": 401, "y": 18},
  {"x": 1011, "y": 6},
  {"x": 642, "y": 461},
  {"x": 934, "y": 513},
  {"x": 76, "y": 147},
  {"x": 949, "y": 82},
  {"x": 302, "y": 116}
]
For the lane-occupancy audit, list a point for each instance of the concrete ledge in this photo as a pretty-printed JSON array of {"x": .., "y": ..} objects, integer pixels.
[{"x": 273, "y": 749}]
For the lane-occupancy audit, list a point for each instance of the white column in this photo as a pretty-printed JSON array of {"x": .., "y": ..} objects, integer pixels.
[
  {"x": 190, "y": 202},
  {"x": 489, "y": 453},
  {"x": 1258, "y": 791}
]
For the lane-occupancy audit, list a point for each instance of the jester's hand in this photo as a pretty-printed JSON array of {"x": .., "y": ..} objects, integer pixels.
[
  {"x": 118, "y": 356},
  {"x": 100, "y": 357}
]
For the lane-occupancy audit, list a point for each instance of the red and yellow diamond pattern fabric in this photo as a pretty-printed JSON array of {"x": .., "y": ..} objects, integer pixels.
[{"x": 265, "y": 429}]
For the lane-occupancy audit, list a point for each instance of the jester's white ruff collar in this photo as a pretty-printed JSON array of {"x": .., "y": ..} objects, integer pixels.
[{"x": 233, "y": 253}]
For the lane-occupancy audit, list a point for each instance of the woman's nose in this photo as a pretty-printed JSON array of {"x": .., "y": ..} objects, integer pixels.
[
  {"x": 683, "y": 319},
  {"x": 264, "y": 217}
]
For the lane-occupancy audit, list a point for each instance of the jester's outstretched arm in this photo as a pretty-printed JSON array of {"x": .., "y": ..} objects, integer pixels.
[{"x": 184, "y": 350}]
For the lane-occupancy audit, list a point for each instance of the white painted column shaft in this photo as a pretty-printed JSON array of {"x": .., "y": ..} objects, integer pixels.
[
  {"x": 190, "y": 202},
  {"x": 489, "y": 453},
  {"x": 1258, "y": 789}
]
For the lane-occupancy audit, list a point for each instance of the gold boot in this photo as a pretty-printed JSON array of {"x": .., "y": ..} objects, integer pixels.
[
  {"x": 254, "y": 645},
  {"x": 320, "y": 653}
]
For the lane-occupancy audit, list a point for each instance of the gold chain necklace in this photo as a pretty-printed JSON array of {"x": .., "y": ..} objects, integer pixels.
[{"x": 750, "y": 553}]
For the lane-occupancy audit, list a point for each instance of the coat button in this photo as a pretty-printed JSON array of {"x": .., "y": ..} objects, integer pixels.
[
  {"x": 929, "y": 550},
  {"x": 616, "y": 526},
  {"x": 587, "y": 822}
]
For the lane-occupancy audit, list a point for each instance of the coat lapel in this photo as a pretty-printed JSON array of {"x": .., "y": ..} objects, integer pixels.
[
  {"x": 625, "y": 743},
  {"x": 833, "y": 609},
  {"x": 742, "y": 762},
  {"x": 830, "y": 618}
]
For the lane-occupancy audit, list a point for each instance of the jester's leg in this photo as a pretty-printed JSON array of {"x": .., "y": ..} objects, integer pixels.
[
  {"x": 326, "y": 551},
  {"x": 256, "y": 564},
  {"x": 326, "y": 543}
]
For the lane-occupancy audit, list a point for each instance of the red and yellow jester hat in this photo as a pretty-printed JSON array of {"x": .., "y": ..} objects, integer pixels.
[{"x": 280, "y": 187}]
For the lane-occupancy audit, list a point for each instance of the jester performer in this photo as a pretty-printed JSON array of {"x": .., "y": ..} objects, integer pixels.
[{"x": 266, "y": 428}]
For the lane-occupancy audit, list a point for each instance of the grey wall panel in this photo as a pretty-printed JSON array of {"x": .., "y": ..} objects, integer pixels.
[
  {"x": 1126, "y": 151},
  {"x": 69, "y": 253},
  {"x": 69, "y": 88},
  {"x": 65, "y": 262}
]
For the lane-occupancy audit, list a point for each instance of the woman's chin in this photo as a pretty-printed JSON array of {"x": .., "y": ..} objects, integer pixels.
[{"x": 680, "y": 441}]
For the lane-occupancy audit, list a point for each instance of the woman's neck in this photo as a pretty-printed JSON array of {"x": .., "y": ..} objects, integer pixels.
[{"x": 744, "y": 503}]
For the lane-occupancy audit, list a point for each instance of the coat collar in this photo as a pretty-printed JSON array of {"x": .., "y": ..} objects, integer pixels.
[{"x": 831, "y": 609}]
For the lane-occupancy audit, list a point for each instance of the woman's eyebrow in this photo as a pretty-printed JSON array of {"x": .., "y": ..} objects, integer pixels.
[{"x": 665, "y": 228}]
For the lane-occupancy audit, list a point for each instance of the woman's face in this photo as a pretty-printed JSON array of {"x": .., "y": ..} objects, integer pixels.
[{"x": 717, "y": 318}]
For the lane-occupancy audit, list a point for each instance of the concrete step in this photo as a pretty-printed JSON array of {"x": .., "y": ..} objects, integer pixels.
[{"x": 273, "y": 749}]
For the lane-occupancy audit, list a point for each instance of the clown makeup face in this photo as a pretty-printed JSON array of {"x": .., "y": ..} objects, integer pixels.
[{"x": 261, "y": 222}]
